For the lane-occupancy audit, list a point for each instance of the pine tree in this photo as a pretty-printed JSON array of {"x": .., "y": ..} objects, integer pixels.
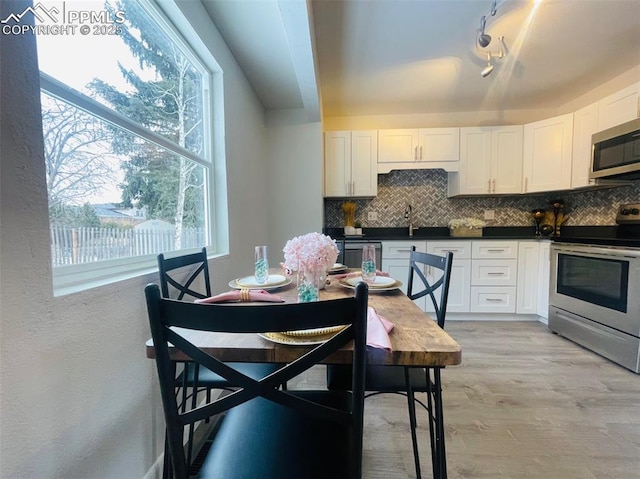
[{"x": 168, "y": 186}]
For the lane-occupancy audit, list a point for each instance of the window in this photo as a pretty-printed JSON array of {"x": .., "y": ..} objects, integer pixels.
[{"x": 126, "y": 124}]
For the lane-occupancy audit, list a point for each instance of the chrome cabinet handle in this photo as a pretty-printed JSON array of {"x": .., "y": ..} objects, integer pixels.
[
  {"x": 415, "y": 153},
  {"x": 421, "y": 153},
  {"x": 501, "y": 250},
  {"x": 493, "y": 183},
  {"x": 493, "y": 300},
  {"x": 492, "y": 273},
  {"x": 489, "y": 185}
]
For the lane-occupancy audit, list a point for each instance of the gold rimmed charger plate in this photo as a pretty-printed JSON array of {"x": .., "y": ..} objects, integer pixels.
[
  {"x": 314, "y": 332},
  {"x": 284, "y": 338}
]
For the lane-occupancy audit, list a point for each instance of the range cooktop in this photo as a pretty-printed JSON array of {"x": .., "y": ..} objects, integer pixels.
[{"x": 625, "y": 234}]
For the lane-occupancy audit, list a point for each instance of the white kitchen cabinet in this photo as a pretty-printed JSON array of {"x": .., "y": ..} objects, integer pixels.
[
  {"x": 619, "y": 108},
  {"x": 528, "y": 271},
  {"x": 459, "y": 285},
  {"x": 395, "y": 261},
  {"x": 490, "y": 161},
  {"x": 351, "y": 163},
  {"x": 585, "y": 124},
  {"x": 418, "y": 148},
  {"x": 544, "y": 279},
  {"x": 494, "y": 276},
  {"x": 547, "y": 154}
]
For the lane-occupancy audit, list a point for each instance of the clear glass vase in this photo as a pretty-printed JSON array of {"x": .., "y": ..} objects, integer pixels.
[{"x": 309, "y": 283}]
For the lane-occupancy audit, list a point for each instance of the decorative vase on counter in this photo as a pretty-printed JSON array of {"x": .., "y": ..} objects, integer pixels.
[{"x": 464, "y": 232}]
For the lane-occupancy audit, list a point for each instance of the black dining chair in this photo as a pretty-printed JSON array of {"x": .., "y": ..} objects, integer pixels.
[
  {"x": 408, "y": 381},
  {"x": 267, "y": 432},
  {"x": 186, "y": 277}
]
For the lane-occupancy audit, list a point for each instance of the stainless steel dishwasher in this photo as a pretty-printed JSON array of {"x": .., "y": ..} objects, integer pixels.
[{"x": 353, "y": 253}]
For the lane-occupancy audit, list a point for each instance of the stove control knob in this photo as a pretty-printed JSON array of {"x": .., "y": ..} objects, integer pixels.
[
  {"x": 625, "y": 211},
  {"x": 635, "y": 211}
]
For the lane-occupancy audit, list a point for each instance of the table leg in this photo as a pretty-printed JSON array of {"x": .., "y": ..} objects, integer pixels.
[{"x": 439, "y": 420}]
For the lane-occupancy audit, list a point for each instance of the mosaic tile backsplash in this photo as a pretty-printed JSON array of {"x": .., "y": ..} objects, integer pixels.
[{"x": 426, "y": 191}]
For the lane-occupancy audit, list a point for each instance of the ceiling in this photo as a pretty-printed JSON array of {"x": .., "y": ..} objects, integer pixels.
[{"x": 384, "y": 57}]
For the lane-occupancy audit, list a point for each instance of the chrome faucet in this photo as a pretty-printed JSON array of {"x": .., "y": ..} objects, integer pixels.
[{"x": 408, "y": 215}]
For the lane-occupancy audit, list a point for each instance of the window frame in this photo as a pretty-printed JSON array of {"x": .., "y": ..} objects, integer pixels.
[{"x": 69, "y": 279}]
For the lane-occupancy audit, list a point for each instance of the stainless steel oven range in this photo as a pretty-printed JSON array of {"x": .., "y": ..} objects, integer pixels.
[{"x": 594, "y": 296}]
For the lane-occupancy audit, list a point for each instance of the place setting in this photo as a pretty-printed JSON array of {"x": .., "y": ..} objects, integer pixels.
[
  {"x": 261, "y": 279},
  {"x": 378, "y": 281}
]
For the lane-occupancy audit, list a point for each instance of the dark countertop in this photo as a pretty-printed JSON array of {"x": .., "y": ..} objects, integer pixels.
[{"x": 433, "y": 233}]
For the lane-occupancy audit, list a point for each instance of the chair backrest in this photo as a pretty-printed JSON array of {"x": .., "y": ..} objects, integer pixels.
[
  {"x": 439, "y": 268},
  {"x": 185, "y": 280},
  {"x": 174, "y": 344}
]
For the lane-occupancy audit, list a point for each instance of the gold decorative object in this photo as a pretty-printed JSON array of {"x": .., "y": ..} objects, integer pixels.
[
  {"x": 559, "y": 216},
  {"x": 349, "y": 210},
  {"x": 463, "y": 232},
  {"x": 466, "y": 227}
]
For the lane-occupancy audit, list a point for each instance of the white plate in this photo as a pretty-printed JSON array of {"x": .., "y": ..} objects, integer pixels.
[
  {"x": 338, "y": 267},
  {"x": 347, "y": 284},
  {"x": 378, "y": 281},
  {"x": 274, "y": 281}
]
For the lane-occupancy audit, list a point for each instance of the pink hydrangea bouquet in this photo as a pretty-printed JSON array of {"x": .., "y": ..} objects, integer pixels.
[{"x": 313, "y": 252}]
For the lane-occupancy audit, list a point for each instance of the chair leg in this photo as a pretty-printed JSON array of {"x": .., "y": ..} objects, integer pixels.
[
  {"x": 194, "y": 403},
  {"x": 412, "y": 421},
  {"x": 167, "y": 467},
  {"x": 432, "y": 428}
]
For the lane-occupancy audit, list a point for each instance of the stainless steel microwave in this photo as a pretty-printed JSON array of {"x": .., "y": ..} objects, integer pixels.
[{"x": 616, "y": 152}]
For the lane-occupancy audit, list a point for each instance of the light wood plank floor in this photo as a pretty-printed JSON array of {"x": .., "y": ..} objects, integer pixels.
[{"x": 524, "y": 403}]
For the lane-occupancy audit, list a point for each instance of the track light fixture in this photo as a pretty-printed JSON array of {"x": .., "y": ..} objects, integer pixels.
[
  {"x": 489, "y": 68},
  {"x": 483, "y": 38}
]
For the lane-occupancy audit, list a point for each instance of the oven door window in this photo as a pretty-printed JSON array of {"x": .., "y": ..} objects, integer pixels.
[{"x": 595, "y": 280}]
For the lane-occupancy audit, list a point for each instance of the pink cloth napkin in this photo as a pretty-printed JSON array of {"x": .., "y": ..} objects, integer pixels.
[
  {"x": 378, "y": 329},
  {"x": 237, "y": 295},
  {"x": 357, "y": 273}
]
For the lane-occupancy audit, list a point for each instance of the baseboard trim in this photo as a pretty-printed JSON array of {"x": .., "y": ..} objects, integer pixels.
[{"x": 494, "y": 317}]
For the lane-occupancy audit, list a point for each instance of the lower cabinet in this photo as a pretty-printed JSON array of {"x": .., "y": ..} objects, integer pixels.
[
  {"x": 501, "y": 276},
  {"x": 494, "y": 267},
  {"x": 528, "y": 273},
  {"x": 544, "y": 279},
  {"x": 458, "y": 301},
  {"x": 395, "y": 261}
]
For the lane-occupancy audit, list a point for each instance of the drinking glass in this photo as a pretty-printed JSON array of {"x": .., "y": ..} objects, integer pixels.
[
  {"x": 368, "y": 263},
  {"x": 262, "y": 265}
]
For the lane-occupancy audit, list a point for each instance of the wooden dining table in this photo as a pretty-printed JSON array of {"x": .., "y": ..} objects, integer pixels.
[{"x": 416, "y": 341}]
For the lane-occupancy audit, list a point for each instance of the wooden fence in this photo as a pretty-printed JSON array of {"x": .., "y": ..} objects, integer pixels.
[{"x": 88, "y": 245}]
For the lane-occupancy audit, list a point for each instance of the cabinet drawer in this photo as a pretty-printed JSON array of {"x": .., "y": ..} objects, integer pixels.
[
  {"x": 489, "y": 299},
  {"x": 497, "y": 272},
  {"x": 494, "y": 250},
  {"x": 401, "y": 249},
  {"x": 460, "y": 249}
]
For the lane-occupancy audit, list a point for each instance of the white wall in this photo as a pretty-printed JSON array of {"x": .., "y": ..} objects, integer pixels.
[
  {"x": 295, "y": 177},
  {"x": 78, "y": 398}
]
